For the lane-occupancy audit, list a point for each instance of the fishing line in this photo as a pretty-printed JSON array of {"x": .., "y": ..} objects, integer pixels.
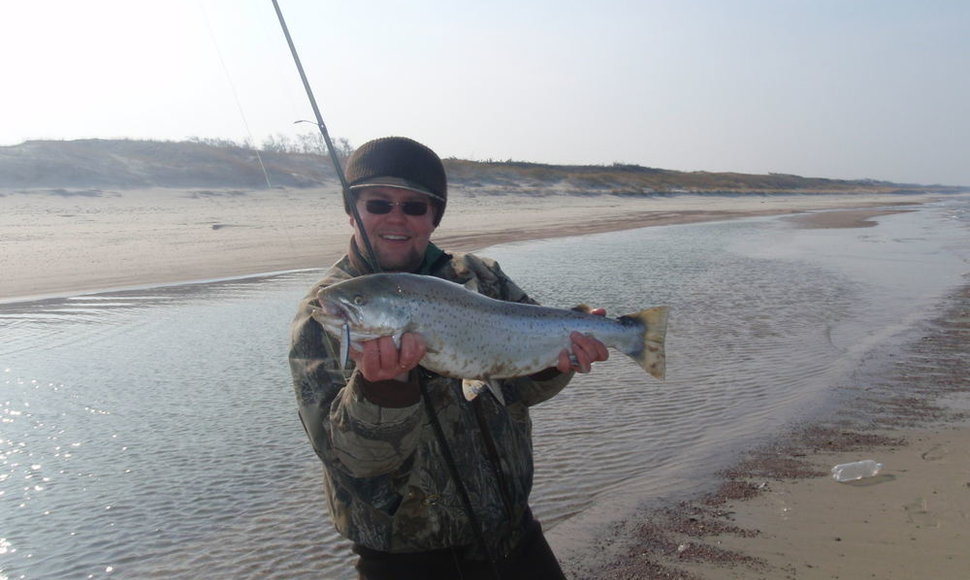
[
  {"x": 235, "y": 95},
  {"x": 249, "y": 133}
]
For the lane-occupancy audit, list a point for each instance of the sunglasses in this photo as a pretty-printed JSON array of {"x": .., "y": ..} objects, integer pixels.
[{"x": 382, "y": 206}]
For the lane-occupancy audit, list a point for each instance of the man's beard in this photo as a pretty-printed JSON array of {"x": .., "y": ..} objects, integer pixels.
[{"x": 409, "y": 263}]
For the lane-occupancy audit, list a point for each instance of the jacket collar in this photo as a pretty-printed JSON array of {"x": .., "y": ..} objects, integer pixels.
[{"x": 434, "y": 259}]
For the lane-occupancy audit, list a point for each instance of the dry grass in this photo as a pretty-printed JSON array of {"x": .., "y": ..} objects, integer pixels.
[{"x": 140, "y": 164}]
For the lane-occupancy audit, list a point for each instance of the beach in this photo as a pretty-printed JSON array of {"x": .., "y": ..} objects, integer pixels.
[
  {"x": 777, "y": 513},
  {"x": 61, "y": 242}
]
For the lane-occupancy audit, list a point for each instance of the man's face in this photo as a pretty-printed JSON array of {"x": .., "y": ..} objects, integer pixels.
[{"x": 398, "y": 239}]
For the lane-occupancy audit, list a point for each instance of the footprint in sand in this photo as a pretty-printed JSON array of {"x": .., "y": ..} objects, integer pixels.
[
  {"x": 918, "y": 514},
  {"x": 935, "y": 453}
]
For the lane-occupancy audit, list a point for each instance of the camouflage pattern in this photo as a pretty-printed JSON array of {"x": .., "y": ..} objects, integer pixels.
[{"x": 386, "y": 482}]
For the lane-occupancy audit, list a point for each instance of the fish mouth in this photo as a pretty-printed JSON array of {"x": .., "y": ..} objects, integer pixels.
[
  {"x": 344, "y": 322},
  {"x": 336, "y": 314}
]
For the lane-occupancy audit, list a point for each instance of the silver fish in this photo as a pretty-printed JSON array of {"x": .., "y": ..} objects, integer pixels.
[{"x": 473, "y": 337}]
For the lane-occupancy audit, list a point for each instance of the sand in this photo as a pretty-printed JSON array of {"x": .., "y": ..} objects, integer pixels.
[
  {"x": 911, "y": 521},
  {"x": 61, "y": 242},
  {"x": 778, "y": 515}
]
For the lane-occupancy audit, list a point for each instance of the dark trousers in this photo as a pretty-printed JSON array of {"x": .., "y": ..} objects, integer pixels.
[{"x": 532, "y": 560}]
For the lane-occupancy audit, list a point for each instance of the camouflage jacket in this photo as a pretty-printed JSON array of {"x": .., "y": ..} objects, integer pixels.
[{"x": 387, "y": 483}]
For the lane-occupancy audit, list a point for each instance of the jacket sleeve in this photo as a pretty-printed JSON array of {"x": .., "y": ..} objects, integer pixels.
[{"x": 348, "y": 432}]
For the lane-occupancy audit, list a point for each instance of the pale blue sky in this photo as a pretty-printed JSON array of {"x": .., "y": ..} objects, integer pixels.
[{"x": 826, "y": 88}]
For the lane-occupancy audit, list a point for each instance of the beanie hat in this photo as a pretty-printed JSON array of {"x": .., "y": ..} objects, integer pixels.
[{"x": 398, "y": 162}]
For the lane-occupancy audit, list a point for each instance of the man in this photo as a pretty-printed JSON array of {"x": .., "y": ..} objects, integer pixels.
[{"x": 426, "y": 484}]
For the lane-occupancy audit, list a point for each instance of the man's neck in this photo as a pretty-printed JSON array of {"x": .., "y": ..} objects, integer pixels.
[{"x": 433, "y": 257}]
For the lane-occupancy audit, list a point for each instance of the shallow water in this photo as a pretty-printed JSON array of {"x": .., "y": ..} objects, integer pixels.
[{"x": 153, "y": 433}]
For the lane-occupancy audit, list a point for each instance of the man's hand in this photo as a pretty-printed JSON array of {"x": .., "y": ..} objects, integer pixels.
[
  {"x": 585, "y": 350},
  {"x": 380, "y": 360}
]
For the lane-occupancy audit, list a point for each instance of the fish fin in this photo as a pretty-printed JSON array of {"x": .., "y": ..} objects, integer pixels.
[
  {"x": 651, "y": 356},
  {"x": 471, "y": 388},
  {"x": 496, "y": 390}
]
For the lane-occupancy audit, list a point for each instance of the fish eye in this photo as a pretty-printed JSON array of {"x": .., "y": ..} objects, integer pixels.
[{"x": 359, "y": 300}]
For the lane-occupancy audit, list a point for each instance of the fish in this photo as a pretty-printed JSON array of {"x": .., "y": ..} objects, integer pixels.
[{"x": 475, "y": 338}]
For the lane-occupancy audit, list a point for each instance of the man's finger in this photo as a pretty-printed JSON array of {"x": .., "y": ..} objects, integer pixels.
[{"x": 413, "y": 350}]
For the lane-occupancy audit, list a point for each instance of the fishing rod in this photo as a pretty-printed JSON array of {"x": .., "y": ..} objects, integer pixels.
[
  {"x": 375, "y": 266},
  {"x": 369, "y": 256}
]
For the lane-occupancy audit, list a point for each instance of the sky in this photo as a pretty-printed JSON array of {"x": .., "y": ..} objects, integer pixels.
[{"x": 843, "y": 89}]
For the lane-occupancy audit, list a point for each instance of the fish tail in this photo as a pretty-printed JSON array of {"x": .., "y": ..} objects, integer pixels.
[{"x": 651, "y": 355}]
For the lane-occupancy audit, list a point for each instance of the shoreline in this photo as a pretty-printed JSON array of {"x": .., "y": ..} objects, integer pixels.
[
  {"x": 778, "y": 514},
  {"x": 61, "y": 246}
]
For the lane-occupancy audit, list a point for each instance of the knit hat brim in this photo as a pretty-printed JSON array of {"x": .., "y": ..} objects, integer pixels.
[{"x": 397, "y": 183}]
